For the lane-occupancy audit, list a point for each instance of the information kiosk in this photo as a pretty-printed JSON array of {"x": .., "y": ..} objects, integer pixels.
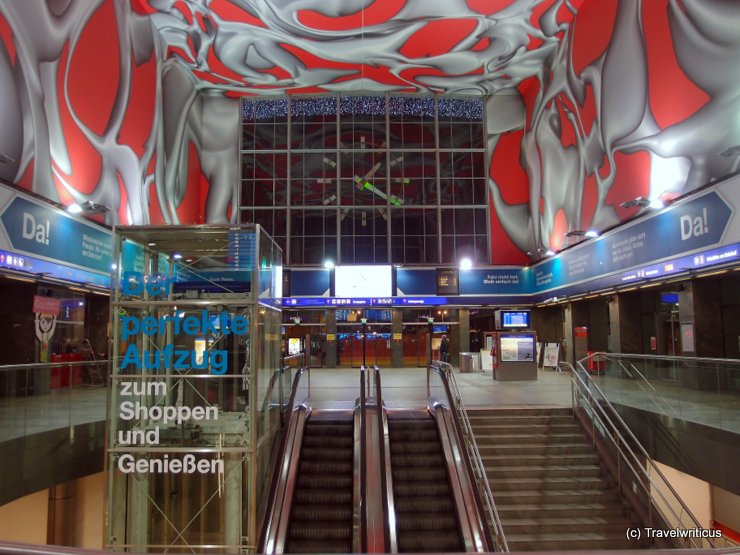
[{"x": 515, "y": 347}]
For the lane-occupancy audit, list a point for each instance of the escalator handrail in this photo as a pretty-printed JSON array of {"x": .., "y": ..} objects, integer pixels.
[
  {"x": 389, "y": 533},
  {"x": 474, "y": 457},
  {"x": 363, "y": 460},
  {"x": 278, "y": 512},
  {"x": 453, "y": 402}
]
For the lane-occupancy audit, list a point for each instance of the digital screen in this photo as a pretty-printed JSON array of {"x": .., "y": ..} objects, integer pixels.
[
  {"x": 518, "y": 319},
  {"x": 669, "y": 298},
  {"x": 439, "y": 329},
  {"x": 363, "y": 281},
  {"x": 448, "y": 281}
]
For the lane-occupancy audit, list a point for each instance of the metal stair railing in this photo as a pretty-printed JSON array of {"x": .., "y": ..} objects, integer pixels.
[
  {"x": 476, "y": 462},
  {"x": 664, "y": 507}
]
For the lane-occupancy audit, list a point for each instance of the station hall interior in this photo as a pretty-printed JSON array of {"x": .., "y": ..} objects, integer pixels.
[{"x": 369, "y": 276}]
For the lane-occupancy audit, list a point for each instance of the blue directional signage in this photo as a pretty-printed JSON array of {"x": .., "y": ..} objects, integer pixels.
[
  {"x": 47, "y": 233},
  {"x": 683, "y": 228}
]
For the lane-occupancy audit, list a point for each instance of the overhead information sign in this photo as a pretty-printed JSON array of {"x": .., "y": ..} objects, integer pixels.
[{"x": 30, "y": 227}]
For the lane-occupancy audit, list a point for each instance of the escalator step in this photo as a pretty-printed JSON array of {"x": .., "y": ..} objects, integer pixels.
[
  {"x": 321, "y": 453},
  {"x": 418, "y": 461},
  {"x": 430, "y": 542},
  {"x": 319, "y": 531},
  {"x": 324, "y": 481},
  {"x": 322, "y": 497},
  {"x": 325, "y": 467},
  {"x": 443, "y": 521},
  {"x": 414, "y": 435},
  {"x": 318, "y": 546},
  {"x": 412, "y": 489},
  {"x": 328, "y": 441},
  {"x": 431, "y": 474},
  {"x": 323, "y": 513},
  {"x": 415, "y": 448},
  {"x": 423, "y": 504}
]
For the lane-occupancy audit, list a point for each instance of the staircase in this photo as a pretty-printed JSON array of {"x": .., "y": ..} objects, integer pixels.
[
  {"x": 426, "y": 520},
  {"x": 321, "y": 517},
  {"x": 550, "y": 492}
]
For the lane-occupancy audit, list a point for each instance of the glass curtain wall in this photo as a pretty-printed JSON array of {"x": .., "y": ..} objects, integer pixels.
[{"x": 337, "y": 177}]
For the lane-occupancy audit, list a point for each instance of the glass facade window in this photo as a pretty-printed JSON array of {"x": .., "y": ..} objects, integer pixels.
[{"x": 367, "y": 178}]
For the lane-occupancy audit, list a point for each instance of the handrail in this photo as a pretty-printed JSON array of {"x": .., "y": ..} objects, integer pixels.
[
  {"x": 662, "y": 357},
  {"x": 626, "y": 451},
  {"x": 42, "y": 365},
  {"x": 363, "y": 460},
  {"x": 474, "y": 469},
  {"x": 389, "y": 531},
  {"x": 278, "y": 513}
]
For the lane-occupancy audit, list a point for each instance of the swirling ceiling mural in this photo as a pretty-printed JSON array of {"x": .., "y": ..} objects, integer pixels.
[
  {"x": 132, "y": 104},
  {"x": 266, "y": 47}
]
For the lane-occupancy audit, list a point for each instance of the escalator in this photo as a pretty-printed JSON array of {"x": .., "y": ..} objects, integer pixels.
[
  {"x": 372, "y": 481},
  {"x": 321, "y": 515},
  {"x": 426, "y": 516}
]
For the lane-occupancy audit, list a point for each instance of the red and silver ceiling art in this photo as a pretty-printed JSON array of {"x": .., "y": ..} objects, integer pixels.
[
  {"x": 641, "y": 98},
  {"x": 265, "y": 47}
]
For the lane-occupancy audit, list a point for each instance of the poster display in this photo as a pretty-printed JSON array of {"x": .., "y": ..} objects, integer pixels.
[
  {"x": 551, "y": 355},
  {"x": 517, "y": 348}
]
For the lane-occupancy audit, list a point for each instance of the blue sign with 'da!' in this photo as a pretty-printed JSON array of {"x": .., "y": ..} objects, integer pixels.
[{"x": 49, "y": 233}]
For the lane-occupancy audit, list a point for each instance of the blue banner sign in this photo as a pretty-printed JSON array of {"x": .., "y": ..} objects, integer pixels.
[
  {"x": 44, "y": 267},
  {"x": 39, "y": 230},
  {"x": 683, "y": 228},
  {"x": 495, "y": 281}
]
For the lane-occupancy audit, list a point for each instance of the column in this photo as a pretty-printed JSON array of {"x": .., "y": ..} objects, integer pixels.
[
  {"x": 463, "y": 336},
  {"x": 331, "y": 331},
  {"x": 397, "y": 344}
]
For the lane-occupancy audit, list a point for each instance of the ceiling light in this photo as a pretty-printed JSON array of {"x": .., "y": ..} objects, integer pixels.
[
  {"x": 329, "y": 264},
  {"x": 591, "y": 233},
  {"x": 466, "y": 264},
  {"x": 550, "y": 252},
  {"x": 643, "y": 202},
  {"x": 74, "y": 208},
  {"x": 176, "y": 256}
]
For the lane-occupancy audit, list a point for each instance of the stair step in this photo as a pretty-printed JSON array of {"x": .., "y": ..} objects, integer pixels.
[
  {"x": 540, "y": 439},
  {"x": 489, "y": 432},
  {"x": 566, "y": 525},
  {"x": 505, "y": 498},
  {"x": 512, "y": 457},
  {"x": 523, "y": 411},
  {"x": 537, "y": 449},
  {"x": 543, "y": 471},
  {"x": 570, "y": 541},
  {"x": 550, "y": 483},
  {"x": 567, "y": 510}
]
